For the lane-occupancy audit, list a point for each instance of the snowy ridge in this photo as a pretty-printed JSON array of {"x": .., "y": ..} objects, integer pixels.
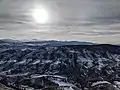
[
  {"x": 100, "y": 82},
  {"x": 70, "y": 66}
]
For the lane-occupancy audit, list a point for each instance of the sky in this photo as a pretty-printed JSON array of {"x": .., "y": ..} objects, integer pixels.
[{"x": 64, "y": 20}]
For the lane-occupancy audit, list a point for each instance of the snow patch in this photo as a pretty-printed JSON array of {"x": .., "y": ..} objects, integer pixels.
[{"x": 100, "y": 82}]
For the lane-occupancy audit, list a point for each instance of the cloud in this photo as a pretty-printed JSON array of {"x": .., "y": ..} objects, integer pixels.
[{"x": 81, "y": 20}]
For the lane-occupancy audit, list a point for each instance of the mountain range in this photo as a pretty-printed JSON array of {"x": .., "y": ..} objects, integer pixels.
[{"x": 59, "y": 65}]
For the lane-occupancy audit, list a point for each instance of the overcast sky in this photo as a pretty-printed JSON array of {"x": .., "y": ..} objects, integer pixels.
[{"x": 76, "y": 20}]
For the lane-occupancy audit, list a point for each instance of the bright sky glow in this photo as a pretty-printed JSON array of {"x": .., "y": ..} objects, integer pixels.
[{"x": 40, "y": 15}]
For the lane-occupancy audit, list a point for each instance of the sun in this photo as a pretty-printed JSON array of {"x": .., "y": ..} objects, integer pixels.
[{"x": 40, "y": 15}]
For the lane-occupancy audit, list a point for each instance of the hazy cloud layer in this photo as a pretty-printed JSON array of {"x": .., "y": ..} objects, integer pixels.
[{"x": 82, "y": 20}]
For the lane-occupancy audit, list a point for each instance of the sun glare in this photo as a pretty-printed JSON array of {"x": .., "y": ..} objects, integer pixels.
[{"x": 40, "y": 15}]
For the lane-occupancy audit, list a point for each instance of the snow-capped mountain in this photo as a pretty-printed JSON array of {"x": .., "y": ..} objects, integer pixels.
[
  {"x": 59, "y": 43},
  {"x": 45, "y": 43},
  {"x": 60, "y": 67}
]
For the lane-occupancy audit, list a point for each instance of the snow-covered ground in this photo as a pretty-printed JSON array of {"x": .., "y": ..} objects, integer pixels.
[{"x": 67, "y": 66}]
